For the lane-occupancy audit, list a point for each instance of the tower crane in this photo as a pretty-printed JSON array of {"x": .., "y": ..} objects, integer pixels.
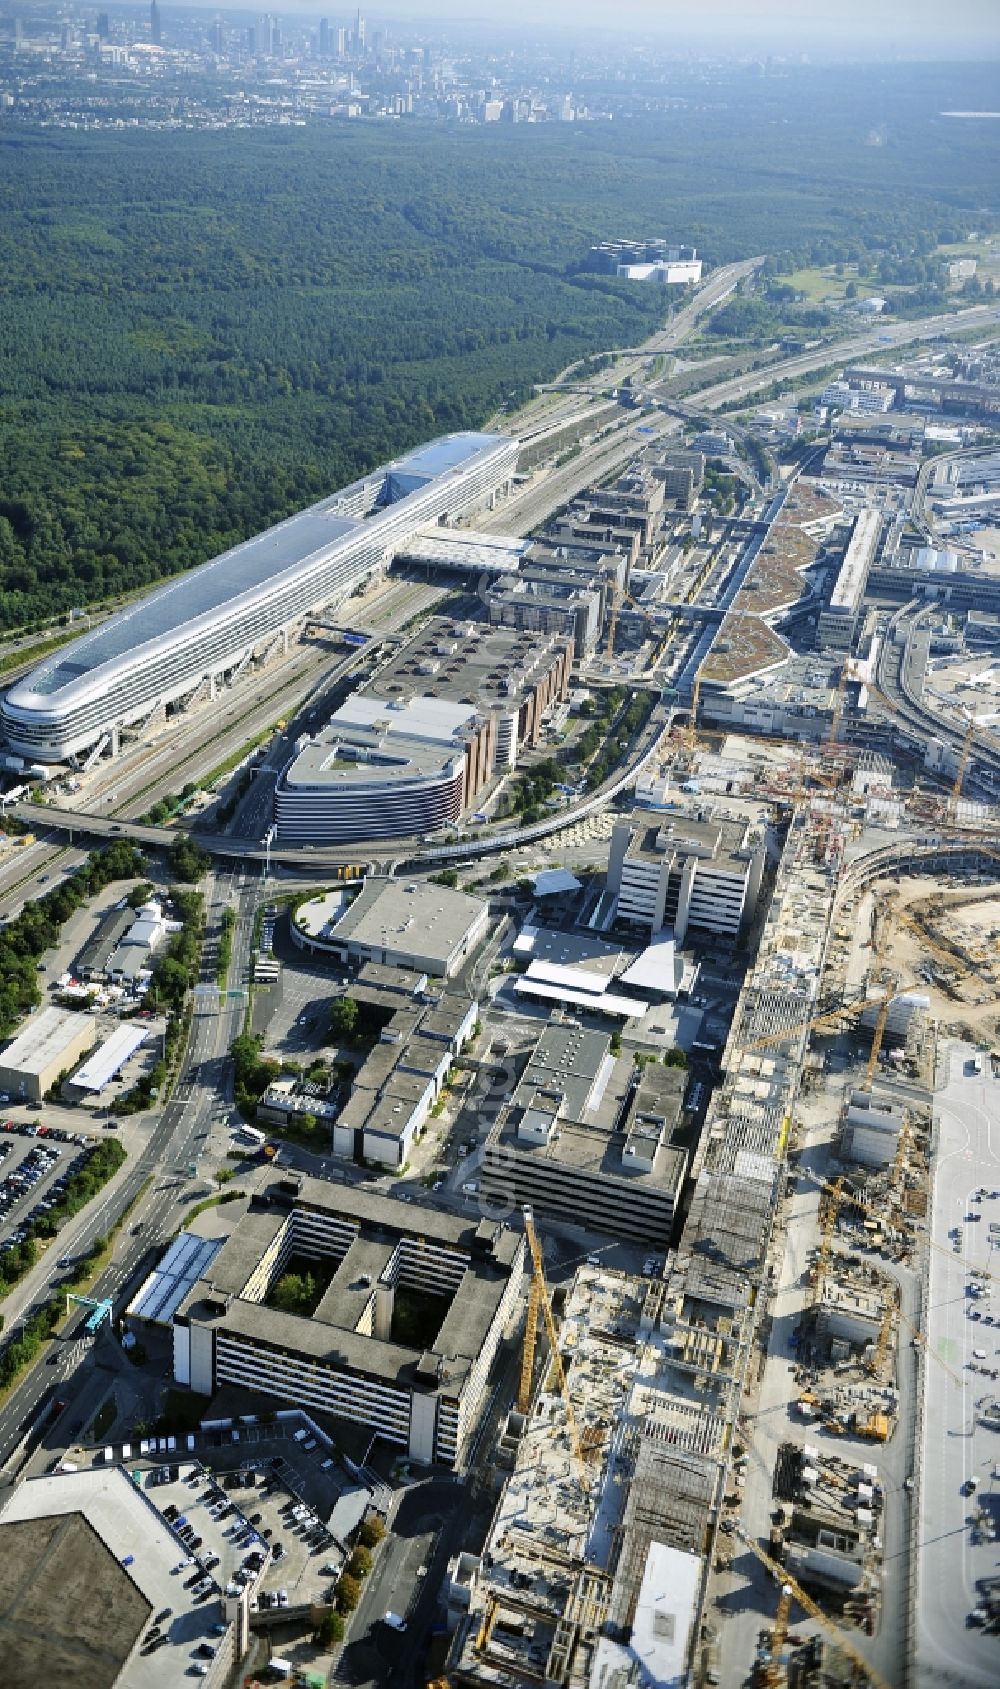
[
  {"x": 785, "y": 1580},
  {"x": 772, "y": 1675},
  {"x": 848, "y": 1196},
  {"x": 880, "y": 1353},
  {"x": 963, "y": 762},
  {"x": 877, "y": 1037},
  {"x": 826, "y": 1237},
  {"x": 538, "y": 1300}
]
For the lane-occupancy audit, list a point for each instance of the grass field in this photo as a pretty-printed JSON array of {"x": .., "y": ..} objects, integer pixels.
[{"x": 818, "y": 284}]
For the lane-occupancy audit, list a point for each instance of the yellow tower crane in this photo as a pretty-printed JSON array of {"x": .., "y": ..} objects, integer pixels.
[
  {"x": 528, "y": 1347},
  {"x": 538, "y": 1300},
  {"x": 785, "y": 1580},
  {"x": 880, "y": 1353},
  {"x": 877, "y": 1037},
  {"x": 773, "y": 1674},
  {"x": 826, "y": 1238},
  {"x": 486, "y": 1628},
  {"x": 963, "y": 761}
]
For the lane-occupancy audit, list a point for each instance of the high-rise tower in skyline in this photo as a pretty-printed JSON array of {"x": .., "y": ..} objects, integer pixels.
[{"x": 154, "y": 23}]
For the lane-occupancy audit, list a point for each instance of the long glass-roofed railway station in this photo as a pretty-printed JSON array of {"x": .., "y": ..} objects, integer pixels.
[{"x": 203, "y": 624}]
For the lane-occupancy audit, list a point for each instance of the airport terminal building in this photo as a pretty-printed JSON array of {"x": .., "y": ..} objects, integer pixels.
[{"x": 208, "y": 622}]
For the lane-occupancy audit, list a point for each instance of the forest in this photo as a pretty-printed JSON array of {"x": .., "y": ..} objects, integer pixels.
[{"x": 201, "y": 332}]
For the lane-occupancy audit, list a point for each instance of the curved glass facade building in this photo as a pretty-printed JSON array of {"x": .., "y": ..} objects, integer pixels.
[{"x": 206, "y": 622}]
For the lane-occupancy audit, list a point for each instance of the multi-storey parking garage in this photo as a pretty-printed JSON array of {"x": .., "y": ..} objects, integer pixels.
[{"x": 211, "y": 621}]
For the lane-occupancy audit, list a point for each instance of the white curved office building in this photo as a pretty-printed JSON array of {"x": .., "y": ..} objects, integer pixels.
[{"x": 206, "y": 623}]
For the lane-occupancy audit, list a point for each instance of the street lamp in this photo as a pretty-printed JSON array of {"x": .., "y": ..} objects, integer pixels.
[{"x": 269, "y": 837}]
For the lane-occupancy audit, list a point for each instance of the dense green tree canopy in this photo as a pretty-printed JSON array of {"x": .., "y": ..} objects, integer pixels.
[{"x": 204, "y": 331}]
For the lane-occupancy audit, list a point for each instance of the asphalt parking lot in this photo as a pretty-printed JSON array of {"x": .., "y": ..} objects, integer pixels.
[
  {"x": 32, "y": 1173},
  {"x": 297, "y": 1028},
  {"x": 960, "y": 1469},
  {"x": 247, "y": 1526}
]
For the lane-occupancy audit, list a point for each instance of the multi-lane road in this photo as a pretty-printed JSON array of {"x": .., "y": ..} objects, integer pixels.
[
  {"x": 173, "y": 1144},
  {"x": 844, "y": 351}
]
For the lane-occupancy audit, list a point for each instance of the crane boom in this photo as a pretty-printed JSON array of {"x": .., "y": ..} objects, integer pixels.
[
  {"x": 963, "y": 760},
  {"x": 542, "y": 1293},
  {"x": 877, "y": 1037},
  {"x": 808, "y": 1605}
]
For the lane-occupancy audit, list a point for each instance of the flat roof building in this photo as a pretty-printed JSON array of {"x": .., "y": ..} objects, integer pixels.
[
  {"x": 591, "y": 1140},
  {"x": 538, "y": 602},
  {"x": 512, "y": 677},
  {"x": 685, "y": 871},
  {"x": 404, "y": 924},
  {"x": 378, "y": 773},
  {"x": 837, "y": 622},
  {"x": 406, "y": 756},
  {"x": 351, "y": 1357},
  {"x": 48, "y": 1045},
  {"x": 86, "y": 1561},
  {"x": 422, "y": 1030}
]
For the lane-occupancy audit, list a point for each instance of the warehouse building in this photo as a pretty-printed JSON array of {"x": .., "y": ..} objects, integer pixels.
[
  {"x": 591, "y": 1140},
  {"x": 48, "y": 1046},
  {"x": 698, "y": 872},
  {"x": 402, "y": 924},
  {"x": 107, "y": 1062},
  {"x": 347, "y": 1358},
  {"x": 92, "y": 961}
]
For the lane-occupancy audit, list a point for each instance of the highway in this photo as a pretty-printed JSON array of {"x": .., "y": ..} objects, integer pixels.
[
  {"x": 172, "y": 1145},
  {"x": 540, "y": 414},
  {"x": 842, "y": 351},
  {"x": 896, "y": 678}
]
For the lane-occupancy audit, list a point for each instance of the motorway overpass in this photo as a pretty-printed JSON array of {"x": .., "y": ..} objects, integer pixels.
[{"x": 79, "y": 824}]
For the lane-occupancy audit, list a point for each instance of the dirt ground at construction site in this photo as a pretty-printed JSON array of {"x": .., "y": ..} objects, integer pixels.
[{"x": 955, "y": 959}]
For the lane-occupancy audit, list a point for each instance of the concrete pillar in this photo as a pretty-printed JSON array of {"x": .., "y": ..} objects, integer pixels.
[
  {"x": 688, "y": 873},
  {"x": 754, "y": 878},
  {"x": 115, "y": 742},
  {"x": 620, "y": 837},
  {"x": 211, "y": 686},
  {"x": 385, "y": 1296}
]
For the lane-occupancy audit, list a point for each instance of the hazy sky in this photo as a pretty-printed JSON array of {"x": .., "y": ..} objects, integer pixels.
[{"x": 852, "y": 26}]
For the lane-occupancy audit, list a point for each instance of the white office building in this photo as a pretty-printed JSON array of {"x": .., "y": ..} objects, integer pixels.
[{"x": 688, "y": 872}]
